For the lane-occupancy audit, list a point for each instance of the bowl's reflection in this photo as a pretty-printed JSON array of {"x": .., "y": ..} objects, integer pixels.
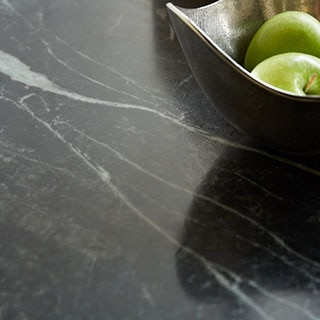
[
  {"x": 214, "y": 39},
  {"x": 250, "y": 244}
]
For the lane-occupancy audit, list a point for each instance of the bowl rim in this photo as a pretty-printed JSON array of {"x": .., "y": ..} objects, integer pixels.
[{"x": 232, "y": 62}]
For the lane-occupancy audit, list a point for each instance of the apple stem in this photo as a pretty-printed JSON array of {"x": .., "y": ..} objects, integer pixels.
[{"x": 310, "y": 82}]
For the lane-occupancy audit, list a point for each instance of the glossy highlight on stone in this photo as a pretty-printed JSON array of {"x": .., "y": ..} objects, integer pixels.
[{"x": 124, "y": 194}]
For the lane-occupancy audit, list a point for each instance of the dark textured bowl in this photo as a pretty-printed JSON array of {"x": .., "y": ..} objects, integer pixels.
[{"x": 214, "y": 39}]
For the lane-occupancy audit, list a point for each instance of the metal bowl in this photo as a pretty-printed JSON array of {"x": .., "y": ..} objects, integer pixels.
[{"x": 214, "y": 39}]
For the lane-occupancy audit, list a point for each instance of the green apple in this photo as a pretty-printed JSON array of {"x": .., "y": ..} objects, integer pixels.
[
  {"x": 289, "y": 31},
  {"x": 294, "y": 72}
]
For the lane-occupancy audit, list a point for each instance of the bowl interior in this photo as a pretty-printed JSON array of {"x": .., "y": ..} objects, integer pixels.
[
  {"x": 214, "y": 39},
  {"x": 231, "y": 24}
]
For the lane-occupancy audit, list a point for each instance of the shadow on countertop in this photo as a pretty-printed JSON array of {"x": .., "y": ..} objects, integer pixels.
[{"x": 250, "y": 243}]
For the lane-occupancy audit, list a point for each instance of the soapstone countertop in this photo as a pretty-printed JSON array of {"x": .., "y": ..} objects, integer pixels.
[{"x": 124, "y": 195}]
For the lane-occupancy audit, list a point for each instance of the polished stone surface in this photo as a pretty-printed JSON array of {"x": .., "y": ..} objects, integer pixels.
[{"x": 124, "y": 194}]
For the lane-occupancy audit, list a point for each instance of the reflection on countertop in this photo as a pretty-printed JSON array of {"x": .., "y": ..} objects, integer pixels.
[{"x": 124, "y": 194}]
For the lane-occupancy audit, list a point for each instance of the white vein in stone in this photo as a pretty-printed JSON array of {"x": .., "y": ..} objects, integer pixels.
[
  {"x": 50, "y": 51},
  {"x": 268, "y": 294},
  {"x": 176, "y": 121},
  {"x": 111, "y": 69},
  {"x": 90, "y": 79},
  {"x": 20, "y": 72},
  {"x": 281, "y": 257},
  {"x": 105, "y": 177},
  {"x": 42, "y": 82},
  {"x": 12, "y": 9},
  {"x": 164, "y": 208},
  {"x": 252, "y": 182},
  {"x": 238, "y": 280},
  {"x": 7, "y": 4},
  {"x": 214, "y": 270},
  {"x": 38, "y": 162},
  {"x": 285, "y": 302},
  {"x": 198, "y": 131},
  {"x": 117, "y": 105},
  {"x": 221, "y": 279},
  {"x": 227, "y": 208}
]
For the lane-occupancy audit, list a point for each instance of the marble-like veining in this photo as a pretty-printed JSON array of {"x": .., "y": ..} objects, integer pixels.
[{"x": 124, "y": 195}]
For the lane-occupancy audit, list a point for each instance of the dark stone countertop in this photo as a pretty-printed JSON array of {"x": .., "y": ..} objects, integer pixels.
[{"x": 124, "y": 194}]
